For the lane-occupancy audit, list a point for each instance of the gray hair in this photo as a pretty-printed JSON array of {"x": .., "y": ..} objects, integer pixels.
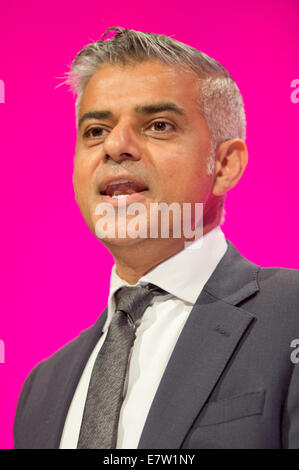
[{"x": 220, "y": 100}]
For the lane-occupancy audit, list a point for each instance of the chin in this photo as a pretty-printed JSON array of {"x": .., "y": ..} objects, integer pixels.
[{"x": 121, "y": 242}]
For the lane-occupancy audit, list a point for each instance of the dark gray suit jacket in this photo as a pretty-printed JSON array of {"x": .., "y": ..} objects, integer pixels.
[{"x": 230, "y": 382}]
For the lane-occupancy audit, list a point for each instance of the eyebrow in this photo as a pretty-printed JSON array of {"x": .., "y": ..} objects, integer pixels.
[
  {"x": 158, "y": 108},
  {"x": 95, "y": 115},
  {"x": 145, "y": 110}
]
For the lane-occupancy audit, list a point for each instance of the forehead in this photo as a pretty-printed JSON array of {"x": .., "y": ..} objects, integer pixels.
[{"x": 134, "y": 84}]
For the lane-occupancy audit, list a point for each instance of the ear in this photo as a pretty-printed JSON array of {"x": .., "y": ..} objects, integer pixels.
[{"x": 231, "y": 161}]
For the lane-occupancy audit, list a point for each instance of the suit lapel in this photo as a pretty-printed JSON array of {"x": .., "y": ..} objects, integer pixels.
[
  {"x": 62, "y": 395},
  {"x": 211, "y": 333}
]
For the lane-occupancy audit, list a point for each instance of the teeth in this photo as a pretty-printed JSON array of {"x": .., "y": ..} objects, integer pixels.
[
  {"x": 120, "y": 181},
  {"x": 120, "y": 196}
]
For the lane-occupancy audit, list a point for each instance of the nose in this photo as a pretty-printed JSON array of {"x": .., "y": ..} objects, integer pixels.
[{"x": 121, "y": 144}]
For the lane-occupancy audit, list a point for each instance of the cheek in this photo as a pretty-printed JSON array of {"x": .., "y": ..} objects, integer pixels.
[
  {"x": 187, "y": 180},
  {"x": 81, "y": 172},
  {"x": 80, "y": 182},
  {"x": 168, "y": 176},
  {"x": 86, "y": 164},
  {"x": 180, "y": 172},
  {"x": 77, "y": 178}
]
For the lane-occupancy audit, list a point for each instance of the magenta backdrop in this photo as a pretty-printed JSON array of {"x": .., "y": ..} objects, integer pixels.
[{"x": 55, "y": 274}]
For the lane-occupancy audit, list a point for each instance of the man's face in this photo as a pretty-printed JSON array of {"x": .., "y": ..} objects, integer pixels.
[{"x": 145, "y": 124}]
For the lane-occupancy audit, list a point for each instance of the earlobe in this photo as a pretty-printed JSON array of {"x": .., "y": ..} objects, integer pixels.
[{"x": 231, "y": 161}]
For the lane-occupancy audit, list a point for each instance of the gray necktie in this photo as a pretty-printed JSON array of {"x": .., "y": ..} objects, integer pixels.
[{"x": 107, "y": 387}]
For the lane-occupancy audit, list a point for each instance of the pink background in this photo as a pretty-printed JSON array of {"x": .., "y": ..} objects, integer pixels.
[{"x": 55, "y": 274}]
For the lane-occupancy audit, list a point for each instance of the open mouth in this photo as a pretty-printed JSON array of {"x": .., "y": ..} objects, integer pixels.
[{"x": 119, "y": 189}]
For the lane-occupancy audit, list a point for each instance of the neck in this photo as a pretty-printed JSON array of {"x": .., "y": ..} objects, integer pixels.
[{"x": 134, "y": 261}]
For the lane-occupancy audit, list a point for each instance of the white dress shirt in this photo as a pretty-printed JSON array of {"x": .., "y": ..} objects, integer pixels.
[{"x": 183, "y": 276}]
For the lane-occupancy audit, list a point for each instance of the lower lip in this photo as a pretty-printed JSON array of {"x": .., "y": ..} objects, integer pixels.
[{"x": 123, "y": 201}]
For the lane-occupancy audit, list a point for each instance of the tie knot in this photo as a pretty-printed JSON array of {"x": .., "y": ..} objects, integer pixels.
[{"x": 134, "y": 300}]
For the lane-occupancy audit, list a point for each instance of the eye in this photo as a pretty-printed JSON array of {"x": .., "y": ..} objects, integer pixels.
[
  {"x": 161, "y": 126},
  {"x": 94, "y": 132}
]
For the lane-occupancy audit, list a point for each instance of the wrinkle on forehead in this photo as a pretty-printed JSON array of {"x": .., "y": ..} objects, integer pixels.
[{"x": 139, "y": 81}]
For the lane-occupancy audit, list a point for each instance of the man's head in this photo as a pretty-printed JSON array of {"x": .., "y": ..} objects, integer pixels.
[
  {"x": 220, "y": 101},
  {"x": 189, "y": 149}
]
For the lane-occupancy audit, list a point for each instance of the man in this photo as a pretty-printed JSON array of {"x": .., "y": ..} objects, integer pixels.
[{"x": 206, "y": 362}]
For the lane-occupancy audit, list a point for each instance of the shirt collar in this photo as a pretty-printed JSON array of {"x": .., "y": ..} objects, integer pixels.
[{"x": 184, "y": 274}]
